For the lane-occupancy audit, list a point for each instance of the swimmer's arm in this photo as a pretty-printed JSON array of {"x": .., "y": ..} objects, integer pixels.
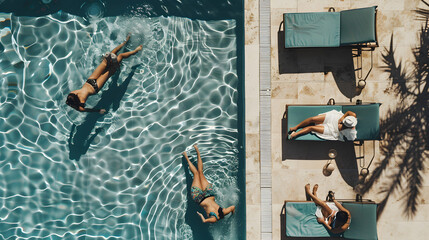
[
  {"x": 208, "y": 220},
  {"x": 348, "y": 113},
  {"x": 101, "y": 111}
]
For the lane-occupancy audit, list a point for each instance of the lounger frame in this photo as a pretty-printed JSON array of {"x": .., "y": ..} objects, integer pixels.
[
  {"x": 357, "y": 48},
  {"x": 283, "y": 217},
  {"x": 360, "y": 144}
]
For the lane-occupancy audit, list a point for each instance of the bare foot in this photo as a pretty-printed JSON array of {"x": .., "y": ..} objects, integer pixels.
[
  {"x": 292, "y": 129},
  {"x": 196, "y": 146},
  {"x": 128, "y": 37},
  {"x": 315, "y": 189},
  {"x": 307, "y": 188},
  {"x": 184, "y": 154},
  {"x": 139, "y": 48}
]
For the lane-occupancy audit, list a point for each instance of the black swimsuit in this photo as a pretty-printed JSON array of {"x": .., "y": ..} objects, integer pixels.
[
  {"x": 112, "y": 65},
  {"x": 93, "y": 83}
]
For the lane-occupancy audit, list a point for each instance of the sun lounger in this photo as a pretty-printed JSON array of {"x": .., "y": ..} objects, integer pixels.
[
  {"x": 301, "y": 221},
  {"x": 368, "y": 127},
  {"x": 355, "y": 27}
]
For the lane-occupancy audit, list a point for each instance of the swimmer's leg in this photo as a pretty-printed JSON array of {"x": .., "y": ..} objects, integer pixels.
[
  {"x": 203, "y": 179},
  {"x": 103, "y": 78},
  {"x": 116, "y": 49},
  {"x": 128, "y": 54},
  {"x": 102, "y": 75},
  {"x": 196, "y": 180},
  {"x": 99, "y": 70}
]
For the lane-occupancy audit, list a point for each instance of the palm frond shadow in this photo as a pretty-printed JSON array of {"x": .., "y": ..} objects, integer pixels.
[{"x": 405, "y": 129}]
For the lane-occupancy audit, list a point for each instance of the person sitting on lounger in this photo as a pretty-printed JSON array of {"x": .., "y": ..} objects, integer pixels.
[
  {"x": 202, "y": 193},
  {"x": 331, "y": 214},
  {"x": 77, "y": 98},
  {"x": 332, "y": 125}
]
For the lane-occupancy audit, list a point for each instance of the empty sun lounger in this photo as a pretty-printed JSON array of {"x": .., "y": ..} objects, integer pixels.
[
  {"x": 330, "y": 29},
  {"x": 301, "y": 221},
  {"x": 368, "y": 127}
]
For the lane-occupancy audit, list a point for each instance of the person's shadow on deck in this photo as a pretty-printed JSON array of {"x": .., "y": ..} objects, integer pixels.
[
  {"x": 80, "y": 136},
  {"x": 200, "y": 230}
]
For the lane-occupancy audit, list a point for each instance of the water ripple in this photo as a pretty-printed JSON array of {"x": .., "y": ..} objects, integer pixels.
[{"x": 70, "y": 175}]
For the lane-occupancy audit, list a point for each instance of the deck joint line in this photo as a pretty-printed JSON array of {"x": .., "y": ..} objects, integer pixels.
[{"x": 265, "y": 118}]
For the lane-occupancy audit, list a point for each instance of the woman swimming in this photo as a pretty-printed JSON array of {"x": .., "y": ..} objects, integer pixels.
[
  {"x": 111, "y": 62},
  {"x": 202, "y": 193}
]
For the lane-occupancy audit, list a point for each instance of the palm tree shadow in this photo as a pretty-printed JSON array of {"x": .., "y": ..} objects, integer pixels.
[
  {"x": 405, "y": 129},
  {"x": 80, "y": 136},
  {"x": 199, "y": 229}
]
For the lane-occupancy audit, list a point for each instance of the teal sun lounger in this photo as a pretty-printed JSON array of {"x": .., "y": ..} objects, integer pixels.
[
  {"x": 368, "y": 127},
  {"x": 301, "y": 221},
  {"x": 330, "y": 29}
]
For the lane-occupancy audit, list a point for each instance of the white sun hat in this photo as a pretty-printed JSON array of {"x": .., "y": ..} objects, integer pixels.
[{"x": 350, "y": 121}]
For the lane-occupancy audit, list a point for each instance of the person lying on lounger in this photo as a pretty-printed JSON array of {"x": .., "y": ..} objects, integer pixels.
[
  {"x": 77, "y": 98},
  {"x": 202, "y": 193},
  {"x": 332, "y": 125},
  {"x": 331, "y": 214}
]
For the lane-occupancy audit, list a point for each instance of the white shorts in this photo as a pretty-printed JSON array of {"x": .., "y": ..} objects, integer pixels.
[
  {"x": 330, "y": 125},
  {"x": 319, "y": 213}
]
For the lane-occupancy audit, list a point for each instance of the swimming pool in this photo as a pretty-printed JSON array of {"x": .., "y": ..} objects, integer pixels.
[{"x": 68, "y": 175}]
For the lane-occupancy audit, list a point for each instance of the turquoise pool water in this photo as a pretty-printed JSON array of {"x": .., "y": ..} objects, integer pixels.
[{"x": 70, "y": 175}]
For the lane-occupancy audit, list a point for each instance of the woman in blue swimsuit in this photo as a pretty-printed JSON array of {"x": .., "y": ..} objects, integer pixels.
[
  {"x": 202, "y": 193},
  {"x": 77, "y": 98}
]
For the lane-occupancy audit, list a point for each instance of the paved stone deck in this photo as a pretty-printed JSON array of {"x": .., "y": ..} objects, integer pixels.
[{"x": 395, "y": 18}]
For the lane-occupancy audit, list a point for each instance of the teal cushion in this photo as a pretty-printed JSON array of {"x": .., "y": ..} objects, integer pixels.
[
  {"x": 296, "y": 114},
  {"x": 358, "y": 26},
  {"x": 318, "y": 29},
  {"x": 368, "y": 127},
  {"x": 363, "y": 224},
  {"x": 301, "y": 221}
]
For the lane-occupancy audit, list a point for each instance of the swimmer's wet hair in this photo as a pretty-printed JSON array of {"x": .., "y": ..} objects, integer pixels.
[{"x": 73, "y": 101}]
